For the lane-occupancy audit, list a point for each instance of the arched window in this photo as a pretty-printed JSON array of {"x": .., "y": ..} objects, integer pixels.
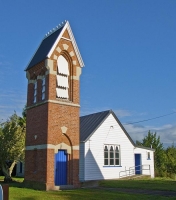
[
  {"x": 105, "y": 155},
  {"x": 111, "y": 152},
  {"x": 35, "y": 92},
  {"x": 117, "y": 161},
  {"x": 111, "y": 155},
  {"x": 62, "y": 78},
  {"x": 43, "y": 88}
]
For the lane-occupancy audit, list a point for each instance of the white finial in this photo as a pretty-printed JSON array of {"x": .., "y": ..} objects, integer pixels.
[{"x": 65, "y": 21}]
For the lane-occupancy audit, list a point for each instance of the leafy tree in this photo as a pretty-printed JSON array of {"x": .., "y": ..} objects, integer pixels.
[
  {"x": 12, "y": 141},
  {"x": 171, "y": 160},
  {"x": 153, "y": 141}
]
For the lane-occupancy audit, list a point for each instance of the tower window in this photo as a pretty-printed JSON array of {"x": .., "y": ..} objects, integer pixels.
[
  {"x": 35, "y": 91},
  {"x": 62, "y": 78},
  {"x": 43, "y": 87}
]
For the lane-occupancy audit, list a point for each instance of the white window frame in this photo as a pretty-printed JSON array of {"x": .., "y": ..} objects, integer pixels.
[
  {"x": 111, "y": 156},
  {"x": 62, "y": 77},
  {"x": 43, "y": 87},
  {"x": 35, "y": 92},
  {"x": 148, "y": 155}
]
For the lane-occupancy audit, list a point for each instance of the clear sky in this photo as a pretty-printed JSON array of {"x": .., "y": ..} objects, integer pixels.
[{"x": 129, "y": 51}]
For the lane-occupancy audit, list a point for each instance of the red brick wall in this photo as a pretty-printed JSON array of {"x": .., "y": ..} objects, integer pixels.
[
  {"x": 45, "y": 121},
  {"x": 37, "y": 124}
]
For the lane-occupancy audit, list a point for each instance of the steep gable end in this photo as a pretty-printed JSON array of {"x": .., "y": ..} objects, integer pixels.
[
  {"x": 90, "y": 123},
  {"x": 49, "y": 44}
]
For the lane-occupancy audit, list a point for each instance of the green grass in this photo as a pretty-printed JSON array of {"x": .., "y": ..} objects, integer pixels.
[
  {"x": 80, "y": 194},
  {"x": 151, "y": 184},
  {"x": 17, "y": 193}
]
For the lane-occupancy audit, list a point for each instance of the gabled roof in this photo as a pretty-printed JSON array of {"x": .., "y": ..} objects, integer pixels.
[
  {"x": 49, "y": 43},
  {"x": 90, "y": 123}
]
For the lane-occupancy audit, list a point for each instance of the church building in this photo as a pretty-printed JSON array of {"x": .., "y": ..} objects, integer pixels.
[{"x": 64, "y": 150}]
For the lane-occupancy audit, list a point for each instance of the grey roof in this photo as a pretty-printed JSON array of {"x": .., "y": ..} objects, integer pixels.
[
  {"x": 44, "y": 48},
  {"x": 90, "y": 123}
]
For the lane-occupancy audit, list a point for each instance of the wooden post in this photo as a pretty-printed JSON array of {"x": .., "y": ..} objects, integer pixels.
[{"x": 5, "y": 188}]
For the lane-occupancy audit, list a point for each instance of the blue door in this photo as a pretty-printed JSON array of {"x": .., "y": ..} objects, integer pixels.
[
  {"x": 137, "y": 163},
  {"x": 61, "y": 168}
]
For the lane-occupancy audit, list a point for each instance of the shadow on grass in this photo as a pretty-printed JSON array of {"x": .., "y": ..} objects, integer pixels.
[{"x": 13, "y": 184}]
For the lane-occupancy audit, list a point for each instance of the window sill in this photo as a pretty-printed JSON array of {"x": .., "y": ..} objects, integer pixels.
[
  {"x": 148, "y": 159},
  {"x": 112, "y": 166}
]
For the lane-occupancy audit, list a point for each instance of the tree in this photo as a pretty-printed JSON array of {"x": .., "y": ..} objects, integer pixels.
[
  {"x": 171, "y": 160},
  {"x": 12, "y": 141},
  {"x": 151, "y": 140}
]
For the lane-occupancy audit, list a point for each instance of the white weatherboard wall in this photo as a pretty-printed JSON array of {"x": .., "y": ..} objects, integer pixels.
[
  {"x": 93, "y": 165},
  {"x": 145, "y": 161}
]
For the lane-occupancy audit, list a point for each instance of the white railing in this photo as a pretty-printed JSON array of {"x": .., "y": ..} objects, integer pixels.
[{"x": 143, "y": 169}]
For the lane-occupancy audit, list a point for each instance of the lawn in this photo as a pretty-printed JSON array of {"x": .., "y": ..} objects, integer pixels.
[
  {"x": 17, "y": 193},
  {"x": 150, "y": 184}
]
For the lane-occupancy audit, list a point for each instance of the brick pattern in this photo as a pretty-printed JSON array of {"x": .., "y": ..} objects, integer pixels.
[
  {"x": 63, "y": 115},
  {"x": 45, "y": 121},
  {"x": 37, "y": 124},
  {"x": 66, "y": 34}
]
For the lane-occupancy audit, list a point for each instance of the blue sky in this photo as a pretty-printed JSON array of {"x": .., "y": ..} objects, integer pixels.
[{"x": 129, "y": 51}]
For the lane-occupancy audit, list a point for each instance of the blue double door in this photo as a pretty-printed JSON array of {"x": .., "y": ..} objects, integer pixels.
[
  {"x": 61, "y": 168},
  {"x": 138, "y": 164}
]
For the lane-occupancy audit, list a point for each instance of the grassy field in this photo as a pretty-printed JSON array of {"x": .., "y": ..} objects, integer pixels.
[
  {"x": 150, "y": 184},
  {"x": 17, "y": 193}
]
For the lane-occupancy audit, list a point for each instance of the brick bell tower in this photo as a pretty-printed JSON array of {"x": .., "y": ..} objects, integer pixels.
[{"x": 52, "y": 130}]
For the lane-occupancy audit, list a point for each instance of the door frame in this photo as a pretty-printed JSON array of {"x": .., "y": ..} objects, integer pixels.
[
  {"x": 60, "y": 177},
  {"x": 138, "y": 162}
]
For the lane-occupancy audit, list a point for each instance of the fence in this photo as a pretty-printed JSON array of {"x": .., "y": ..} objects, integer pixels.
[{"x": 135, "y": 170}]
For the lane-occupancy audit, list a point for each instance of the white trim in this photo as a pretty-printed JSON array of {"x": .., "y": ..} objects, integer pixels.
[
  {"x": 75, "y": 147},
  {"x": 63, "y": 103},
  {"x": 54, "y": 101},
  {"x": 31, "y": 81},
  {"x": 75, "y": 45},
  {"x": 41, "y": 146},
  {"x": 72, "y": 39},
  {"x": 57, "y": 40},
  {"x": 52, "y": 146},
  {"x": 78, "y": 73},
  {"x": 65, "y": 38}
]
